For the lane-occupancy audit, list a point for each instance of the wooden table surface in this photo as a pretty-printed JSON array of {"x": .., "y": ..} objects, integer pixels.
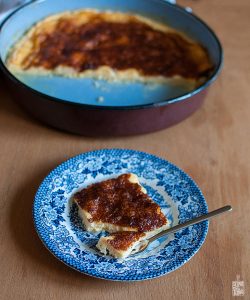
[{"x": 213, "y": 146}]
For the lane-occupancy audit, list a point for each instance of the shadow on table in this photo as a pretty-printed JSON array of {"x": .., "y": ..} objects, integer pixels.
[{"x": 36, "y": 256}]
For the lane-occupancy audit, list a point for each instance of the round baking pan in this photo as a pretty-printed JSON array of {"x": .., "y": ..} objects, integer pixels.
[{"x": 93, "y": 107}]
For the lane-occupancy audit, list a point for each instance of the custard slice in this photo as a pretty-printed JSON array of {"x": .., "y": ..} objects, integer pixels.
[
  {"x": 120, "y": 205},
  {"x": 121, "y": 244}
]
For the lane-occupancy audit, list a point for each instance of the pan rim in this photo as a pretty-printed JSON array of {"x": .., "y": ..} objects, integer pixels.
[{"x": 168, "y": 101}]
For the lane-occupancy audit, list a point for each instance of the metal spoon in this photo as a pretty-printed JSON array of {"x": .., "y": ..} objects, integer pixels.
[{"x": 184, "y": 225}]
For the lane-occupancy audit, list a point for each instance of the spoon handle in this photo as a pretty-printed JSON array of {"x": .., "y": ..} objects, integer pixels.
[{"x": 192, "y": 222}]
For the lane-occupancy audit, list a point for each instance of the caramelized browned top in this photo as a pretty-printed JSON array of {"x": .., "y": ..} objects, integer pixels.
[
  {"x": 120, "y": 46},
  {"x": 123, "y": 240},
  {"x": 120, "y": 202}
]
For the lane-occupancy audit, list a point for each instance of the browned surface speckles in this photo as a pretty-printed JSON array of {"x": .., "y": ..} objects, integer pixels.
[
  {"x": 123, "y": 240},
  {"x": 118, "y": 201},
  {"x": 120, "y": 46}
]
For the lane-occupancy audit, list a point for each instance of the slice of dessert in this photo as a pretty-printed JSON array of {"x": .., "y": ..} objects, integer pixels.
[
  {"x": 121, "y": 244},
  {"x": 118, "y": 205}
]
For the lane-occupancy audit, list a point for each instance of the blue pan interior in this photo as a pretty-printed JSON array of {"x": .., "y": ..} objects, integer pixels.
[{"x": 89, "y": 91}]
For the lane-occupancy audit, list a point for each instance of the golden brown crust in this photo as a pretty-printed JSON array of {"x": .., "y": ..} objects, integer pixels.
[
  {"x": 120, "y": 202},
  {"x": 124, "y": 240},
  {"x": 26, "y": 53}
]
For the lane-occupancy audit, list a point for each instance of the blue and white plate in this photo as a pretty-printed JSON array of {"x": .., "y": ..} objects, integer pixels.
[{"x": 60, "y": 229}]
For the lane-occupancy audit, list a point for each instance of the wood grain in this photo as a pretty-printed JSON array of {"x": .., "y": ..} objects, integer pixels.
[{"x": 213, "y": 146}]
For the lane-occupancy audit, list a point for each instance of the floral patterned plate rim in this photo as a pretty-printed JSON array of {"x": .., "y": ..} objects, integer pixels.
[{"x": 60, "y": 229}]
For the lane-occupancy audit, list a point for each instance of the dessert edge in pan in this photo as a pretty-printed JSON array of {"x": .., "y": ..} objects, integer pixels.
[{"x": 113, "y": 46}]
